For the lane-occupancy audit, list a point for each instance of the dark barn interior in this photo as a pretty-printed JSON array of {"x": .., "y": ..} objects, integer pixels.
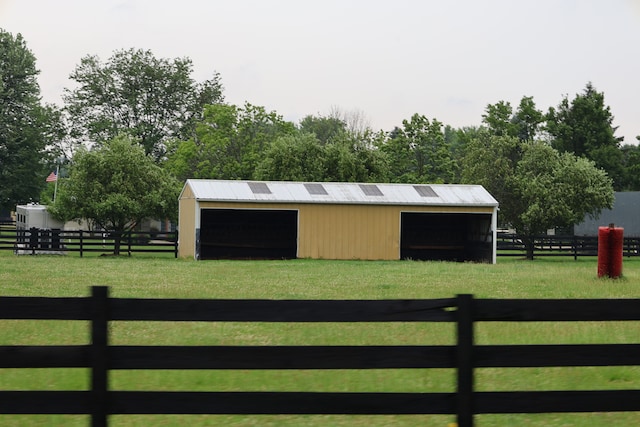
[
  {"x": 248, "y": 234},
  {"x": 446, "y": 236}
]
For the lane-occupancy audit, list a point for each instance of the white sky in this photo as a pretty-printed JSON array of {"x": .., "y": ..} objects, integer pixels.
[{"x": 384, "y": 59}]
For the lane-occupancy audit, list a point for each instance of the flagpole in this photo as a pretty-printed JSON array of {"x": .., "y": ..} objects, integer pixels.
[{"x": 55, "y": 189}]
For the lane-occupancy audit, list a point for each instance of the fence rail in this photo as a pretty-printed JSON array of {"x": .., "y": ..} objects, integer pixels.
[
  {"x": 37, "y": 241},
  {"x": 576, "y": 246},
  {"x": 464, "y": 356}
]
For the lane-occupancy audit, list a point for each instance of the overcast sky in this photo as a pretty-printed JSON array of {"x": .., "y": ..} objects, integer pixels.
[{"x": 384, "y": 59}]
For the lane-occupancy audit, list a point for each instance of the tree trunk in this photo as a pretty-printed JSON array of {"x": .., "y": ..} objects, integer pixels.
[
  {"x": 529, "y": 247},
  {"x": 117, "y": 242}
]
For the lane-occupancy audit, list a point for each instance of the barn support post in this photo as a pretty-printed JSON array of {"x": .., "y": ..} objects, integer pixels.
[
  {"x": 494, "y": 236},
  {"x": 464, "y": 360},
  {"x": 99, "y": 356}
]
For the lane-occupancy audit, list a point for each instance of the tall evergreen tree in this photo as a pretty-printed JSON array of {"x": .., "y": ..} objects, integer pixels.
[
  {"x": 24, "y": 123},
  {"x": 583, "y": 124},
  {"x": 584, "y": 127}
]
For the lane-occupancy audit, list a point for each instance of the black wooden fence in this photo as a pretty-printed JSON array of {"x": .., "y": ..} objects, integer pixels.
[
  {"x": 37, "y": 241},
  {"x": 574, "y": 246},
  {"x": 464, "y": 356}
]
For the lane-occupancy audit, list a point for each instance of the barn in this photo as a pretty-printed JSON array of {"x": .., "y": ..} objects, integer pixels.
[
  {"x": 624, "y": 213},
  {"x": 222, "y": 219}
]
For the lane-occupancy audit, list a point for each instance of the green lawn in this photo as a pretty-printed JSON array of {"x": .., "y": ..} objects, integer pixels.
[{"x": 151, "y": 276}]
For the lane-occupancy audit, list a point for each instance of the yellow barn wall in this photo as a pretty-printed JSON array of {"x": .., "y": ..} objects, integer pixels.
[
  {"x": 187, "y": 224},
  {"x": 337, "y": 231}
]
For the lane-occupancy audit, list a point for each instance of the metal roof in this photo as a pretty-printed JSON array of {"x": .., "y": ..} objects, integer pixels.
[{"x": 340, "y": 193}]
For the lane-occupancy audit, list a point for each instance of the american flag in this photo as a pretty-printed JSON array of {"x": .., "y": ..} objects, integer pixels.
[{"x": 52, "y": 177}]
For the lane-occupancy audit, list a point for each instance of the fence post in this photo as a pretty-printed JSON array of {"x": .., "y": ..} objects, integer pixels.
[
  {"x": 175, "y": 245},
  {"x": 99, "y": 357},
  {"x": 464, "y": 360},
  {"x": 81, "y": 242},
  {"x": 34, "y": 237}
]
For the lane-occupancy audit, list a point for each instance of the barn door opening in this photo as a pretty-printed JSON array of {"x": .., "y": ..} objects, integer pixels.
[
  {"x": 446, "y": 236},
  {"x": 248, "y": 234}
]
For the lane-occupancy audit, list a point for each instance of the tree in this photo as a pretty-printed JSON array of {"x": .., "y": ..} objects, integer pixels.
[
  {"x": 631, "y": 162},
  {"x": 115, "y": 187},
  {"x": 326, "y": 129},
  {"x": 584, "y": 127},
  {"x": 490, "y": 161},
  {"x": 527, "y": 119},
  {"x": 538, "y": 188},
  {"x": 498, "y": 119},
  {"x": 298, "y": 157},
  {"x": 134, "y": 92},
  {"x": 583, "y": 124},
  {"x": 612, "y": 160},
  {"x": 229, "y": 142},
  {"x": 354, "y": 157},
  {"x": 211, "y": 154},
  {"x": 24, "y": 124},
  {"x": 355, "y": 121},
  {"x": 457, "y": 140},
  {"x": 302, "y": 157},
  {"x": 418, "y": 152},
  {"x": 524, "y": 123}
]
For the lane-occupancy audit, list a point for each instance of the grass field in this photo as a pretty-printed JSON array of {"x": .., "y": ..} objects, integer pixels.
[{"x": 151, "y": 276}]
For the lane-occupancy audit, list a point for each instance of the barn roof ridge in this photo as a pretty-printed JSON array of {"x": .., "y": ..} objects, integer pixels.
[{"x": 340, "y": 193}]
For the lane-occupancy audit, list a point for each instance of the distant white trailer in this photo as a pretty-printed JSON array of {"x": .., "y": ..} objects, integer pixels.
[{"x": 35, "y": 216}]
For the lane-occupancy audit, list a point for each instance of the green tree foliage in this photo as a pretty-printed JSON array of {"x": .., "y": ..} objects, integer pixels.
[
  {"x": 115, "y": 187},
  {"x": 419, "y": 153},
  {"x": 298, "y": 157},
  {"x": 303, "y": 157},
  {"x": 584, "y": 126},
  {"x": 612, "y": 160},
  {"x": 457, "y": 140},
  {"x": 26, "y": 127},
  {"x": 490, "y": 161},
  {"x": 355, "y": 158},
  {"x": 256, "y": 130},
  {"x": 631, "y": 162},
  {"x": 326, "y": 129},
  {"x": 538, "y": 188},
  {"x": 152, "y": 99},
  {"x": 527, "y": 120},
  {"x": 229, "y": 143},
  {"x": 497, "y": 118},
  {"x": 523, "y": 124}
]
